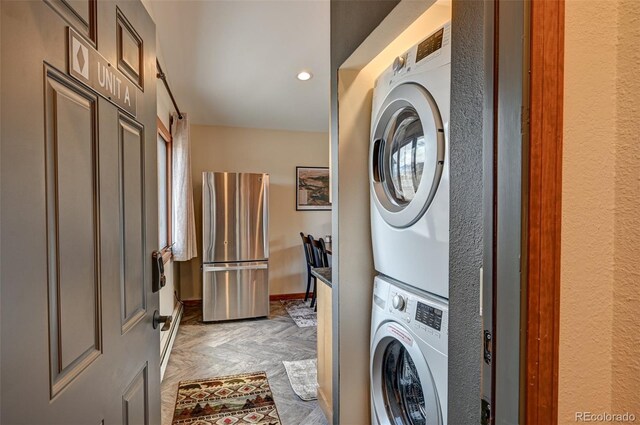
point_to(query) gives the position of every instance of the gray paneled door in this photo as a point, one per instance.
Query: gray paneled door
(78, 214)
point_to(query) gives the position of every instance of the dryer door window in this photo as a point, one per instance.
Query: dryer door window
(407, 154)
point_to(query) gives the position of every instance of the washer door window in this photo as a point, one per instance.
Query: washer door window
(407, 155)
(403, 391)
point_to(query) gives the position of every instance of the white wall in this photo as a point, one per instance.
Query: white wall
(356, 260)
(164, 110)
(587, 210)
(626, 331)
(262, 151)
(167, 303)
(600, 295)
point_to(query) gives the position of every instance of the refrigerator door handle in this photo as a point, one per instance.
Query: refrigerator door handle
(210, 268)
(265, 215)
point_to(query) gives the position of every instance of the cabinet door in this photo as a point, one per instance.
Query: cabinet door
(325, 359)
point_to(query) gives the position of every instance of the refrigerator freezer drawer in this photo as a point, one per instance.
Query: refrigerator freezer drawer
(237, 291)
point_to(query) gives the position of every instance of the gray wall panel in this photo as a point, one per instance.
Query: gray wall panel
(466, 231)
(512, 140)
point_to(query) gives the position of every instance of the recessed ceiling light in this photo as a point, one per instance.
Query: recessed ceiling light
(304, 76)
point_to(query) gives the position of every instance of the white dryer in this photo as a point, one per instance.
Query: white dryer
(409, 166)
(409, 352)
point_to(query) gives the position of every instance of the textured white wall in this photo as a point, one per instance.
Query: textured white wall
(587, 209)
(626, 308)
(600, 295)
(356, 259)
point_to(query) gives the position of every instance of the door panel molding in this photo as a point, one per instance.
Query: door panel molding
(130, 47)
(80, 18)
(135, 399)
(133, 294)
(73, 235)
(544, 213)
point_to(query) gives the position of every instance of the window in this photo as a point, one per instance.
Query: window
(164, 191)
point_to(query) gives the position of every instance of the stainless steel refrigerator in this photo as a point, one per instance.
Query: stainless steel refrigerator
(235, 245)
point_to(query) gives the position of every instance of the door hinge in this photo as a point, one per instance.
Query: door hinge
(485, 414)
(487, 347)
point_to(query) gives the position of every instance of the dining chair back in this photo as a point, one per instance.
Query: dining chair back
(320, 253)
(308, 250)
(307, 245)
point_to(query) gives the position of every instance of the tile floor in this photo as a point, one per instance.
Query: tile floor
(209, 350)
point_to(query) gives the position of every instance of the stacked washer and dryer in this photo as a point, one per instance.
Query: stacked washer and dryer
(409, 181)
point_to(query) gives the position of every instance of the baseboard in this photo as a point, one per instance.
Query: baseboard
(192, 303)
(284, 297)
(166, 352)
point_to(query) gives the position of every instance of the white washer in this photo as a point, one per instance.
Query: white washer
(408, 363)
(409, 166)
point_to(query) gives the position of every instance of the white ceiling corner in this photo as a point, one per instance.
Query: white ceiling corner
(234, 63)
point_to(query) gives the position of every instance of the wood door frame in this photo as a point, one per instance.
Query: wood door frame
(542, 195)
(165, 134)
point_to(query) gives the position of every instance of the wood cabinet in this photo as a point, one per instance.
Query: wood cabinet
(325, 347)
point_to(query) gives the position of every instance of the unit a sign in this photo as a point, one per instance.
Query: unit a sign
(89, 67)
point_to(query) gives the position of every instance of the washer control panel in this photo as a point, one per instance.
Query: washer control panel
(425, 315)
(429, 315)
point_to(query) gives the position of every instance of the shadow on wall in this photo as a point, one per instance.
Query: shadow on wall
(289, 262)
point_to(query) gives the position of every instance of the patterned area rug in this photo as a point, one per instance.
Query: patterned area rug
(226, 400)
(301, 313)
(303, 376)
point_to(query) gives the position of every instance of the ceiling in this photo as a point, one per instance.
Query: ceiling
(234, 63)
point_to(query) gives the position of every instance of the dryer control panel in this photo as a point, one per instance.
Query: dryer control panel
(432, 44)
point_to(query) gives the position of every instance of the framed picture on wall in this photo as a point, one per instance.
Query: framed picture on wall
(312, 189)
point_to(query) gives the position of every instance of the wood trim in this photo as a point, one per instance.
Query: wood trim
(164, 132)
(167, 255)
(284, 297)
(170, 193)
(192, 303)
(543, 220)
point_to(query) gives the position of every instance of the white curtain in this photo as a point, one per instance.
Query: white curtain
(184, 223)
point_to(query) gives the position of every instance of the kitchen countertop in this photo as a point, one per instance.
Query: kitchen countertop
(323, 273)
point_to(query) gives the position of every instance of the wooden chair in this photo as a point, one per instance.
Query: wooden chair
(307, 245)
(320, 259)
